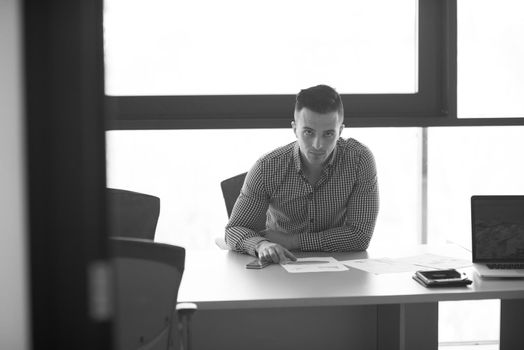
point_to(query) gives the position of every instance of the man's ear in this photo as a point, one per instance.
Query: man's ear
(294, 127)
(341, 128)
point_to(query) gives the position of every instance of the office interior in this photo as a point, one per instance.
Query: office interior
(472, 161)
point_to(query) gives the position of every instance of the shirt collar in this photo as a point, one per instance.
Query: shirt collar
(298, 160)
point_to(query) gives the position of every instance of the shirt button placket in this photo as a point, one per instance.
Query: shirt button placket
(311, 210)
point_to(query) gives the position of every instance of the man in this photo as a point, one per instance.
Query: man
(319, 193)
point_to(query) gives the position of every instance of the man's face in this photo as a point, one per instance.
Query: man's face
(317, 134)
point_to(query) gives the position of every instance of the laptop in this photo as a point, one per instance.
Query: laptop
(498, 235)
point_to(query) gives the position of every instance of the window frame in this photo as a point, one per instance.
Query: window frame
(435, 104)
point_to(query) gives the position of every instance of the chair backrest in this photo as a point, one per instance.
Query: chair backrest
(148, 276)
(132, 214)
(231, 189)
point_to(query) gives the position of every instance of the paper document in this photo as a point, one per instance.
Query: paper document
(407, 264)
(318, 264)
(437, 262)
(379, 266)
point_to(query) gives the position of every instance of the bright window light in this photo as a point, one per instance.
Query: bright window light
(209, 47)
(490, 55)
(469, 161)
(184, 168)
(469, 322)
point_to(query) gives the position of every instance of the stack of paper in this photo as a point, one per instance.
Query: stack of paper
(407, 264)
(319, 264)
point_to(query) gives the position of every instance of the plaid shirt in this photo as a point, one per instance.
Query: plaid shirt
(338, 213)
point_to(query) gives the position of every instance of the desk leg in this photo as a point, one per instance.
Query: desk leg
(511, 324)
(407, 326)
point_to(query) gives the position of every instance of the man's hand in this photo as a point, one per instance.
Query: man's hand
(274, 252)
(290, 242)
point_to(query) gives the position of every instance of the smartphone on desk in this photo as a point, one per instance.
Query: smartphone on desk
(257, 264)
(444, 278)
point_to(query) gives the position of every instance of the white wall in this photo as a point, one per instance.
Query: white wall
(14, 309)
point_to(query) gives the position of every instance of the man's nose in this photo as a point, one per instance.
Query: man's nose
(317, 143)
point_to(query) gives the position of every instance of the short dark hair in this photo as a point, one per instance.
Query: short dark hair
(320, 99)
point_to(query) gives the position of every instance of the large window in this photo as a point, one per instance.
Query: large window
(184, 168)
(469, 161)
(238, 64)
(490, 56)
(238, 47)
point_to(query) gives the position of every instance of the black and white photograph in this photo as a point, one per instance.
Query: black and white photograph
(279, 174)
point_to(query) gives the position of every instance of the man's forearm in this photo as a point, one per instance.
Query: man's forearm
(341, 239)
(286, 240)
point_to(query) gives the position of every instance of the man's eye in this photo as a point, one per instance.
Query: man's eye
(308, 132)
(330, 133)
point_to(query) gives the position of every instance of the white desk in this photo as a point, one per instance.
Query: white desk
(389, 311)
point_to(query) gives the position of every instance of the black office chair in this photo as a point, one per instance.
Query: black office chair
(231, 189)
(132, 214)
(148, 276)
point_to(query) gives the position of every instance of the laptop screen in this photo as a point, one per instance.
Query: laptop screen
(498, 228)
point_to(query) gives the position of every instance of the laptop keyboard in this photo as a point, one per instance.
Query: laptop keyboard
(516, 266)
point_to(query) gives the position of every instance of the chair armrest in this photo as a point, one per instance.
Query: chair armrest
(184, 312)
(186, 309)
